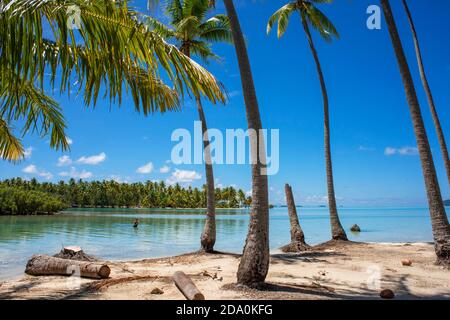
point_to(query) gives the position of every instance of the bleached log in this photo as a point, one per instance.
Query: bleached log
(44, 265)
(187, 287)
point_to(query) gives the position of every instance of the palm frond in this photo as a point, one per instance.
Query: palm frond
(281, 16)
(320, 21)
(160, 28)
(39, 112)
(11, 148)
(216, 29)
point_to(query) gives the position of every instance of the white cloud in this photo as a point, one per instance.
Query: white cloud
(69, 141)
(316, 199)
(389, 151)
(93, 160)
(28, 152)
(73, 173)
(183, 176)
(145, 169)
(408, 151)
(46, 175)
(32, 169)
(64, 161)
(404, 151)
(119, 179)
(364, 148)
(164, 169)
(234, 93)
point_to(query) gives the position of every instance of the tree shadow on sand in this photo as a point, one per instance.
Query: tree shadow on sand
(307, 256)
(18, 291)
(327, 289)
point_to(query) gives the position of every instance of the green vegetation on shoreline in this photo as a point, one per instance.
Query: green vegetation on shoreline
(20, 201)
(113, 194)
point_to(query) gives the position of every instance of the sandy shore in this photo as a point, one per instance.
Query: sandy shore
(330, 271)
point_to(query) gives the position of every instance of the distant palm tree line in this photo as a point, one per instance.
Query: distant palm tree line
(138, 43)
(143, 195)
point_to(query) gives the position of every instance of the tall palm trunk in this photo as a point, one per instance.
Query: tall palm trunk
(439, 220)
(254, 263)
(437, 122)
(337, 231)
(208, 237)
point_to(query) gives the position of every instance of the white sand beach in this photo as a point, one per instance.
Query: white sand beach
(333, 270)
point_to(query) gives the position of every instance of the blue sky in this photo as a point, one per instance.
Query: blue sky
(373, 143)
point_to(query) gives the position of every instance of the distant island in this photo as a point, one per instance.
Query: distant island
(447, 202)
(22, 197)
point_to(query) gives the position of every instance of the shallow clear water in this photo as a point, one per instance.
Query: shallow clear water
(108, 233)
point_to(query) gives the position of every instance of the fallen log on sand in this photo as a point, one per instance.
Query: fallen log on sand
(187, 287)
(43, 265)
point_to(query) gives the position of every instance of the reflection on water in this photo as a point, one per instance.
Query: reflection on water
(109, 233)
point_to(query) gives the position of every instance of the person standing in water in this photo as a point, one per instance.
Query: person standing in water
(136, 223)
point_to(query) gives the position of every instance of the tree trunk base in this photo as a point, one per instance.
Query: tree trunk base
(442, 250)
(207, 244)
(295, 247)
(340, 237)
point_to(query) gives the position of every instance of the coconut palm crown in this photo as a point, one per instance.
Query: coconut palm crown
(190, 27)
(111, 50)
(309, 13)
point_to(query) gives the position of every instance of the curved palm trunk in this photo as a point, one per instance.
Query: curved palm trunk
(437, 122)
(254, 263)
(298, 243)
(337, 231)
(208, 238)
(439, 220)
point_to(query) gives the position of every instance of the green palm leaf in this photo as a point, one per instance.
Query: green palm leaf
(309, 12)
(113, 50)
(11, 148)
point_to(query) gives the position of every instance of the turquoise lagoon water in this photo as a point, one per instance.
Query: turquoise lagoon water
(108, 233)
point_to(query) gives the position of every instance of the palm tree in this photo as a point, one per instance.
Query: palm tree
(194, 32)
(426, 86)
(254, 263)
(111, 48)
(439, 220)
(311, 15)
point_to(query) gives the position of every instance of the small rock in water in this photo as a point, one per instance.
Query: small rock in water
(355, 228)
(387, 294)
(157, 291)
(407, 262)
